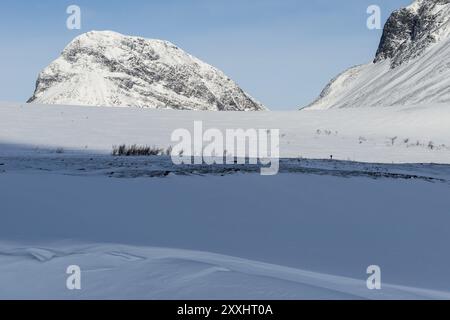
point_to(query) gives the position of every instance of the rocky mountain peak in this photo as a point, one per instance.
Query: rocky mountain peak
(411, 30)
(105, 68)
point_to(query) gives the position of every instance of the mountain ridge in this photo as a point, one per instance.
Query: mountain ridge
(411, 65)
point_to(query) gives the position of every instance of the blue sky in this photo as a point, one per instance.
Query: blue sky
(282, 52)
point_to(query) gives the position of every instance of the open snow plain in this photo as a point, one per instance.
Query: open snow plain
(141, 227)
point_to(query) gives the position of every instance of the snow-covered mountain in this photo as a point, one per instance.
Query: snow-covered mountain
(412, 64)
(109, 69)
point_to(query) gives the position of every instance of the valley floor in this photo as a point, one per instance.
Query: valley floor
(376, 135)
(144, 228)
(325, 220)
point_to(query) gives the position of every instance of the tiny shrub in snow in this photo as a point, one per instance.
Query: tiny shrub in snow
(135, 150)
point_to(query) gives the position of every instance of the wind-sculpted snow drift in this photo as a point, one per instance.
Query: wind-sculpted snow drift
(110, 69)
(158, 273)
(412, 64)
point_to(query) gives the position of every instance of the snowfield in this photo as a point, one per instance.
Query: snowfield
(143, 228)
(416, 134)
(125, 272)
(254, 237)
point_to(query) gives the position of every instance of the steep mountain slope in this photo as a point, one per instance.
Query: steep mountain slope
(412, 64)
(110, 69)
